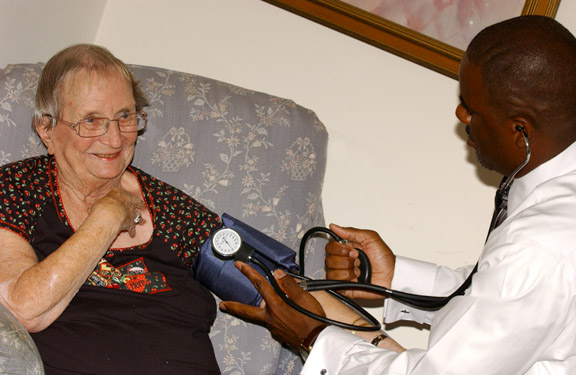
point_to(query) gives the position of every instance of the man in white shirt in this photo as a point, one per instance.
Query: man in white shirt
(518, 316)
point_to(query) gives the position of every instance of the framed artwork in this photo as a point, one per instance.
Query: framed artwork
(431, 33)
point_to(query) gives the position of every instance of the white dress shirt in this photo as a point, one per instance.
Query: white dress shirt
(518, 316)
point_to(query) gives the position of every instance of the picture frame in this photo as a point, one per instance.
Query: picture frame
(392, 37)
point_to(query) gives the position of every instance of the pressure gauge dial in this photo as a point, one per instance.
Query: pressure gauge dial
(226, 242)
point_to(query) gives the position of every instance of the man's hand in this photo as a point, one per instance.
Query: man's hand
(285, 323)
(342, 261)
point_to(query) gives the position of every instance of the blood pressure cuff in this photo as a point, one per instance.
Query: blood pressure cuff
(225, 280)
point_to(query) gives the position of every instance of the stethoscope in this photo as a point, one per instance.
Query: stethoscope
(228, 244)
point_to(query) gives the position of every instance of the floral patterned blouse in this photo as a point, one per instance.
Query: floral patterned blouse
(141, 310)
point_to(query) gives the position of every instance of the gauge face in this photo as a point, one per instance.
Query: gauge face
(226, 242)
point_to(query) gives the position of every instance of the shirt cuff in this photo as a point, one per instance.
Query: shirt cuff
(411, 276)
(333, 348)
(337, 351)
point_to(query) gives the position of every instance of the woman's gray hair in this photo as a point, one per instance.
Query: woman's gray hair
(67, 63)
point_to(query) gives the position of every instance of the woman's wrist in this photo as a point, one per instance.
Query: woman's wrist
(374, 337)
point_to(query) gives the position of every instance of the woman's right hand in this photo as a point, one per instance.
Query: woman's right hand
(121, 207)
(342, 261)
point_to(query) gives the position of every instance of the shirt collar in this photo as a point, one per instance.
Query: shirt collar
(559, 165)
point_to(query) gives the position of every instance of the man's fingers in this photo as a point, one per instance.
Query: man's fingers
(340, 263)
(248, 271)
(260, 283)
(354, 236)
(337, 249)
(246, 311)
(345, 275)
(287, 284)
(253, 313)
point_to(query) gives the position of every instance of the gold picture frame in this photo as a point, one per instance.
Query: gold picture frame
(402, 41)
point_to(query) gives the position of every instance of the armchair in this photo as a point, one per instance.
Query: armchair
(255, 156)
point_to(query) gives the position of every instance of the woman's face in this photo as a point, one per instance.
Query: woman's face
(98, 160)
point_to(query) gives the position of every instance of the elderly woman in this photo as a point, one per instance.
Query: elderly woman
(96, 255)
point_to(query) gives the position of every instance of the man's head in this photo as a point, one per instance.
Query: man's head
(519, 74)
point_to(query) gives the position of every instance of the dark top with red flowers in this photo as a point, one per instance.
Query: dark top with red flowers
(141, 311)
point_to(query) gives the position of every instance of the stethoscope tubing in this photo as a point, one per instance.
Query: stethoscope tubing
(374, 323)
(415, 300)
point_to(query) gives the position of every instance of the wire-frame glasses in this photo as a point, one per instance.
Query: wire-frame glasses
(89, 127)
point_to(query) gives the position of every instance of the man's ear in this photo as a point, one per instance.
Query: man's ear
(44, 127)
(523, 130)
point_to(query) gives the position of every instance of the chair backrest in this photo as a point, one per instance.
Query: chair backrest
(258, 157)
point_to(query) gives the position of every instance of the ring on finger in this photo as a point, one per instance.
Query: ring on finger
(138, 218)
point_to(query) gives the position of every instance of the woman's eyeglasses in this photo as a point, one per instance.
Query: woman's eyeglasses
(89, 127)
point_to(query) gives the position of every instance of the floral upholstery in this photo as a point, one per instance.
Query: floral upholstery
(18, 354)
(257, 157)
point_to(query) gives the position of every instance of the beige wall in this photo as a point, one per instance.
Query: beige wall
(397, 158)
(33, 30)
